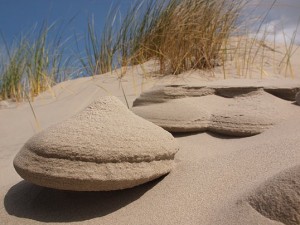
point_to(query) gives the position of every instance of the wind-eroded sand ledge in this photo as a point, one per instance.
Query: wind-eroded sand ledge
(212, 180)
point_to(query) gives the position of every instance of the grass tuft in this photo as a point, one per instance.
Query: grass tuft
(194, 34)
(182, 35)
(32, 64)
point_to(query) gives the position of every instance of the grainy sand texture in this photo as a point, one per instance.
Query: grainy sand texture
(217, 179)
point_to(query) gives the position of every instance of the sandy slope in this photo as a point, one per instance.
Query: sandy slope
(210, 184)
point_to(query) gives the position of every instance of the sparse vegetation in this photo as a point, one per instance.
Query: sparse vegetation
(100, 48)
(182, 35)
(179, 34)
(32, 65)
(191, 34)
(12, 70)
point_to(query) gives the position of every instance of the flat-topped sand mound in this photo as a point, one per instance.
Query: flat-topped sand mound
(229, 88)
(229, 110)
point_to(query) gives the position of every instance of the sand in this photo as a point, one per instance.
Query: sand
(242, 115)
(213, 177)
(105, 147)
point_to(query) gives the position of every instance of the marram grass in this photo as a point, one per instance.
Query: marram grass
(31, 66)
(181, 35)
(188, 34)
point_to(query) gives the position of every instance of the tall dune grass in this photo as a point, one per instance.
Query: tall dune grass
(179, 34)
(254, 47)
(182, 35)
(32, 64)
(187, 34)
(13, 64)
(100, 49)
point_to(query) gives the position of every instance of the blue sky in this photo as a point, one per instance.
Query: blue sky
(22, 15)
(283, 18)
(18, 16)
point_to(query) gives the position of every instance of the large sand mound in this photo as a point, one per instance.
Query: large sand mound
(279, 197)
(105, 147)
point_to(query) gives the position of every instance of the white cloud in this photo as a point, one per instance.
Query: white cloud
(282, 20)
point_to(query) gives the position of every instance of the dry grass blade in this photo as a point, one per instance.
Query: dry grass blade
(33, 64)
(182, 35)
(289, 47)
(99, 49)
(124, 94)
(34, 114)
(11, 85)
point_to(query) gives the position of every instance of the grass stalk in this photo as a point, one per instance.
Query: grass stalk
(33, 64)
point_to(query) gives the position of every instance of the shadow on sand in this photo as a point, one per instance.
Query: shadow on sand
(26, 200)
(215, 135)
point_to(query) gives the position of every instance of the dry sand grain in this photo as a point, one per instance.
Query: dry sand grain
(209, 185)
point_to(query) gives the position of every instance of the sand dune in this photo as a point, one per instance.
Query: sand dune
(210, 184)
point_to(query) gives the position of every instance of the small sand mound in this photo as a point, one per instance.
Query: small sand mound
(105, 147)
(279, 197)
